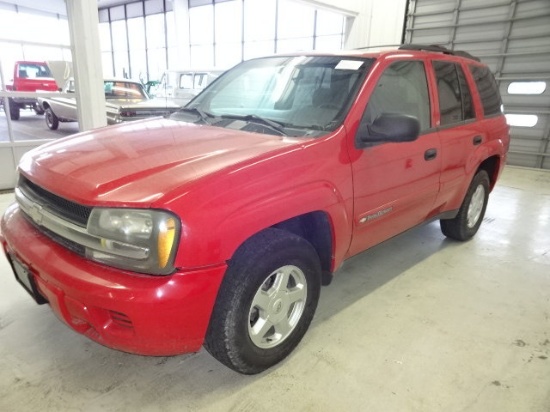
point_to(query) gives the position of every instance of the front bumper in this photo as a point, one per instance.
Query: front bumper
(143, 314)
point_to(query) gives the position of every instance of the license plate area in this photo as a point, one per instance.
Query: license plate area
(24, 277)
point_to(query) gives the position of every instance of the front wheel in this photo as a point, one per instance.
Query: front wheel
(51, 119)
(266, 302)
(470, 215)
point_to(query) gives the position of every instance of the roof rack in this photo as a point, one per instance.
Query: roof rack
(438, 49)
(379, 46)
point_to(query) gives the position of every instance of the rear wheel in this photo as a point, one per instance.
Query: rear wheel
(51, 119)
(266, 302)
(15, 112)
(470, 215)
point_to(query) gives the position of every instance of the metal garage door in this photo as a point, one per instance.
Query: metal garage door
(513, 38)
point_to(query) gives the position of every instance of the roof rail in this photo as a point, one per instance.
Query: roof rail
(438, 49)
(379, 46)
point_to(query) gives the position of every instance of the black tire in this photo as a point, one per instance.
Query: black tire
(470, 215)
(51, 119)
(274, 279)
(38, 109)
(15, 112)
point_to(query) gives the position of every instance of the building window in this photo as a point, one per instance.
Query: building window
(223, 33)
(259, 28)
(228, 34)
(201, 35)
(138, 39)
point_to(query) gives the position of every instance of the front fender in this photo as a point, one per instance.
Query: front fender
(209, 238)
(43, 103)
(281, 206)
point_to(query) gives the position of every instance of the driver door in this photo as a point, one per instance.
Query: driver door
(395, 184)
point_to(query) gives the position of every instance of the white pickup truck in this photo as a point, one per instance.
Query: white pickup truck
(181, 86)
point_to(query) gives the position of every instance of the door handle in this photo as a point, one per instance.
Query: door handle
(477, 140)
(430, 154)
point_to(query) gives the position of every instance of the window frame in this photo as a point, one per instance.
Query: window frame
(428, 96)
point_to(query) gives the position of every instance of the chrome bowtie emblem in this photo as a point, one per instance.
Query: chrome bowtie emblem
(35, 213)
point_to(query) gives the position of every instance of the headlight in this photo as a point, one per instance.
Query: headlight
(141, 240)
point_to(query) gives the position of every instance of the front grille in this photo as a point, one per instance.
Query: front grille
(162, 112)
(69, 244)
(71, 211)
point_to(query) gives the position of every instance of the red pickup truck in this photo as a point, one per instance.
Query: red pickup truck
(219, 225)
(29, 77)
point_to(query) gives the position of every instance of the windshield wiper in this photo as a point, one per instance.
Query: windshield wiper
(199, 112)
(253, 118)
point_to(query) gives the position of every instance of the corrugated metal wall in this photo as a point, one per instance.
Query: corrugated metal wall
(513, 38)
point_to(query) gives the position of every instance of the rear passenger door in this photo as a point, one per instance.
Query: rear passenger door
(395, 184)
(458, 131)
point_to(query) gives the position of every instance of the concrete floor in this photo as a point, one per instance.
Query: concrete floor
(419, 323)
(33, 127)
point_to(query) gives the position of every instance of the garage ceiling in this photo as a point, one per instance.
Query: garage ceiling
(512, 37)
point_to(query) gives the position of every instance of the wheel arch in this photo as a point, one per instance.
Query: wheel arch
(315, 227)
(317, 211)
(492, 166)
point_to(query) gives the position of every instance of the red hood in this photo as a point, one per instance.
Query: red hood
(139, 162)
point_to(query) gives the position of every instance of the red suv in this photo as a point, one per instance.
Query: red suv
(219, 225)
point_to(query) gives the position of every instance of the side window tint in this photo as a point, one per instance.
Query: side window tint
(488, 90)
(467, 105)
(401, 89)
(455, 100)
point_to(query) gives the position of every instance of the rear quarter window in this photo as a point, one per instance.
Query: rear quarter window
(488, 90)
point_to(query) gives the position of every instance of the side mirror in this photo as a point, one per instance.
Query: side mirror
(391, 127)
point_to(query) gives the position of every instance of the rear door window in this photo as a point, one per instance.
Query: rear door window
(455, 99)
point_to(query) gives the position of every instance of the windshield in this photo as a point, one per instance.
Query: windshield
(296, 96)
(123, 90)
